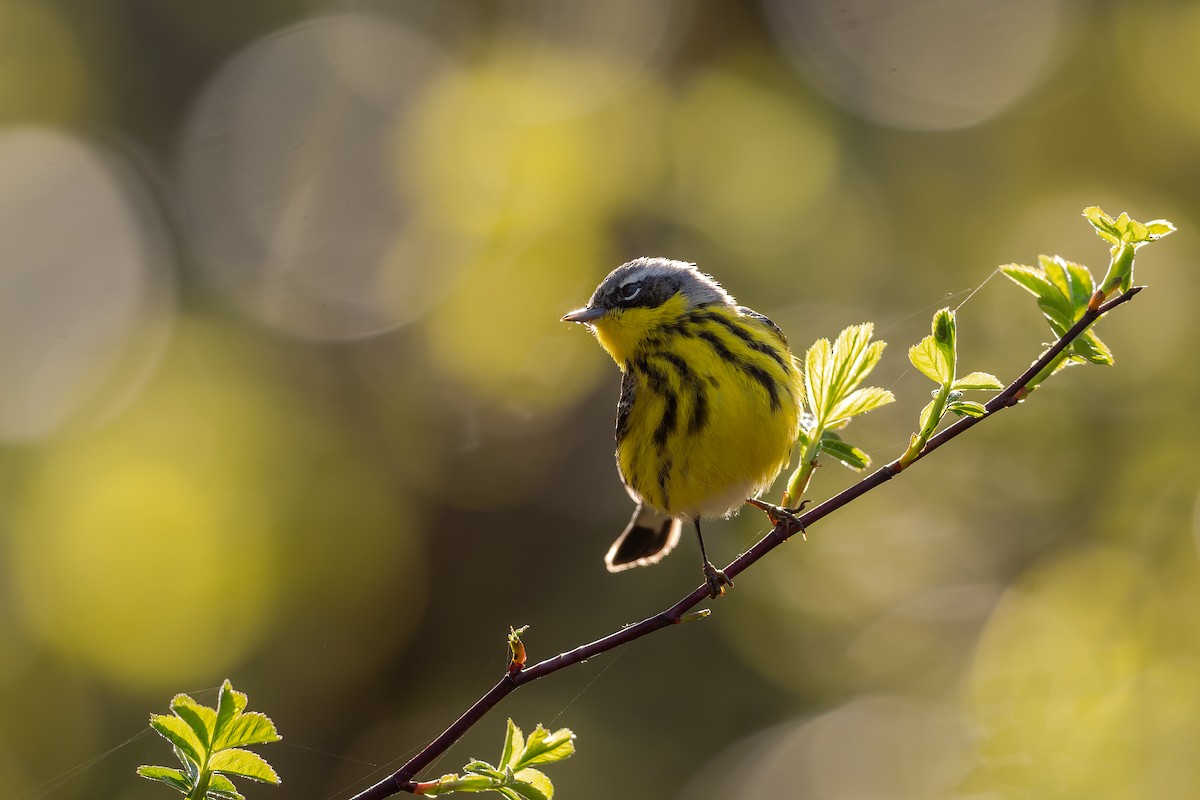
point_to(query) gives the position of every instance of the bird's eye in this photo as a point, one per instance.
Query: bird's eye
(629, 290)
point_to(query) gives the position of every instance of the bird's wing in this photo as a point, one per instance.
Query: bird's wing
(764, 321)
(624, 405)
(648, 537)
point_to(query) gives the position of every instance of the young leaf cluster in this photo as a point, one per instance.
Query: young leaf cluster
(1065, 291)
(209, 743)
(514, 776)
(936, 357)
(1126, 236)
(833, 373)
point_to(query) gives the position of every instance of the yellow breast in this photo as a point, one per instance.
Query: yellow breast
(714, 410)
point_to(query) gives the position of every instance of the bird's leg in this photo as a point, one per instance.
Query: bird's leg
(716, 579)
(778, 514)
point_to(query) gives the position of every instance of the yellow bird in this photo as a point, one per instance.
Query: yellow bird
(709, 408)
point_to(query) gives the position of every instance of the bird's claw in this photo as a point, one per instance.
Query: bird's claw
(716, 580)
(779, 514)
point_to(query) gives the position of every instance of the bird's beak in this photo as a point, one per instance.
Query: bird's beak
(584, 315)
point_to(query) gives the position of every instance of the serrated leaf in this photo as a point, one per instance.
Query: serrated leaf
(537, 779)
(1159, 228)
(454, 783)
(172, 777)
(514, 744)
(230, 704)
(179, 733)
(841, 450)
(533, 788)
(1083, 286)
(967, 408)
(945, 337)
(1055, 270)
(926, 414)
(1091, 349)
(818, 366)
(1057, 304)
(860, 401)
(243, 763)
(250, 727)
(222, 788)
(930, 360)
(200, 719)
(1103, 224)
(544, 747)
(977, 381)
(1029, 278)
(477, 767)
(859, 354)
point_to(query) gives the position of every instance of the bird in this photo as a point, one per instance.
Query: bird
(710, 405)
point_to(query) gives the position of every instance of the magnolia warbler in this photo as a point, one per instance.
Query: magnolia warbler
(709, 408)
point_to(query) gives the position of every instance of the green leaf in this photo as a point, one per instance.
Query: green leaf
(944, 334)
(855, 349)
(478, 767)
(222, 788)
(843, 451)
(514, 744)
(454, 783)
(243, 763)
(930, 360)
(544, 747)
(1104, 224)
(1089, 348)
(179, 733)
(537, 779)
(532, 784)
(1083, 286)
(230, 704)
(1074, 284)
(190, 767)
(860, 401)
(172, 777)
(967, 408)
(818, 375)
(984, 381)
(1029, 278)
(200, 719)
(1057, 304)
(250, 727)
(926, 415)
(1158, 228)
(1055, 270)
(833, 371)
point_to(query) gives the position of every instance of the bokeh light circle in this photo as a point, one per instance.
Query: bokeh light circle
(168, 545)
(877, 746)
(85, 304)
(925, 65)
(283, 167)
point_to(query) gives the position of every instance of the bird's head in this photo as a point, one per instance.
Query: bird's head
(641, 296)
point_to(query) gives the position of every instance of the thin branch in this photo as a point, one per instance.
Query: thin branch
(402, 779)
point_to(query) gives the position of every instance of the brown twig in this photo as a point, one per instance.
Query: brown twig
(402, 779)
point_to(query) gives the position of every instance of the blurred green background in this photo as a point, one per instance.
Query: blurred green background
(285, 397)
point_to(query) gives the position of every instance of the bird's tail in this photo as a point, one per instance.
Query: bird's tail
(648, 537)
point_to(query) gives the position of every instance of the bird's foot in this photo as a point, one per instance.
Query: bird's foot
(779, 514)
(716, 580)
